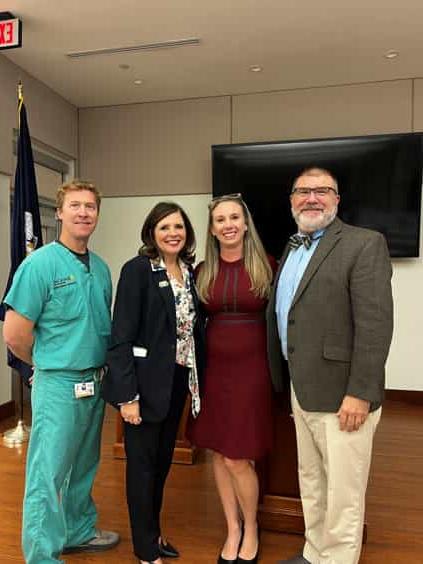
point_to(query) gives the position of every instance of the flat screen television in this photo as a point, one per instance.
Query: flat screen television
(379, 177)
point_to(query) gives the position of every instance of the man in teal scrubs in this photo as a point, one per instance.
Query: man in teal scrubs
(58, 320)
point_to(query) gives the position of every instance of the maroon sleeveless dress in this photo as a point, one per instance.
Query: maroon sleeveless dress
(236, 405)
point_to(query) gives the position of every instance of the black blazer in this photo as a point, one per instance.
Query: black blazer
(141, 357)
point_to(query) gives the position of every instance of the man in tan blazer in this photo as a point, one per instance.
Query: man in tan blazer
(329, 331)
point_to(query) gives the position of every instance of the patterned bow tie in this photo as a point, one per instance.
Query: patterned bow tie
(295, 241)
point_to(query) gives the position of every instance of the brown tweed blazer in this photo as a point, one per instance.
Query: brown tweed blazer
(340, 322)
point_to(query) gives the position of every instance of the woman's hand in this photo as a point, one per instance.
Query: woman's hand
(131, 413)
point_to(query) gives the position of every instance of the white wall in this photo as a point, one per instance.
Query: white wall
(404, 369)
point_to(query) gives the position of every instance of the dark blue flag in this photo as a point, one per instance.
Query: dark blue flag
(26, 232)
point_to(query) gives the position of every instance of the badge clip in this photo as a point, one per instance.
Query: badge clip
(84, 390)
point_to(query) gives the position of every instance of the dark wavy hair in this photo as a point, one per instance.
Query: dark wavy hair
(159, 212)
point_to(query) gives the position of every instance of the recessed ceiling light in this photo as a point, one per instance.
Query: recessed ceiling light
(138, 81)
(256, 68)
(124, 66)
(392, 54)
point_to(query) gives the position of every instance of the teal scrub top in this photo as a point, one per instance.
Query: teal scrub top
(69, 305)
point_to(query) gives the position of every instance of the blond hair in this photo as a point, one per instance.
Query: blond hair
(76, 185)
(255, 258)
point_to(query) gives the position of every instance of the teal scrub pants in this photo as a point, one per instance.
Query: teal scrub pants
(62, 460)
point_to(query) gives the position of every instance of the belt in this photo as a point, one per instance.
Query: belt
(235, 317)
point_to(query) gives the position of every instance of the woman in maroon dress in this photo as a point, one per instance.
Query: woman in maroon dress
(235, 419)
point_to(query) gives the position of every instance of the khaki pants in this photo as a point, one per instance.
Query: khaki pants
(333, 467)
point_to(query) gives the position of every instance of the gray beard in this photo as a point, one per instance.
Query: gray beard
(311, 225)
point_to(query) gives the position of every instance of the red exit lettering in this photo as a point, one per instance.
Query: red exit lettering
(6, 33)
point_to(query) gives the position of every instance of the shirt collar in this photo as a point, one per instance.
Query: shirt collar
(315, 235)
(158, 264)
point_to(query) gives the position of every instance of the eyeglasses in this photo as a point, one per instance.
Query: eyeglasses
(304, 192)
(237, 196)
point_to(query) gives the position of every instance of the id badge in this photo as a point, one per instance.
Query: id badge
(84, 390)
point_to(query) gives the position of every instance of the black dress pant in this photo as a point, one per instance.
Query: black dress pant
(149, 450)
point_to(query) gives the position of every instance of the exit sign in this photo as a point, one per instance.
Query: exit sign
(10, 31)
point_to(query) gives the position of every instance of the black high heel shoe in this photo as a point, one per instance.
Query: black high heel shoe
(222, 560)
(253, 560)
(166, 550)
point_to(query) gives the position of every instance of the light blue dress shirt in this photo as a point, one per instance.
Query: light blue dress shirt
(289, 280)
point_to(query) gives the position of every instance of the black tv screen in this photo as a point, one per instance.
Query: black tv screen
(379, 177)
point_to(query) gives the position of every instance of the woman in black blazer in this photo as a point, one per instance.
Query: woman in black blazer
(155, 359)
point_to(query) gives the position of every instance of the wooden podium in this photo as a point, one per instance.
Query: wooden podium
(280, 503)
(184, 453)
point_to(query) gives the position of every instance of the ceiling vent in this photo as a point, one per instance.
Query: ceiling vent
(133, 48)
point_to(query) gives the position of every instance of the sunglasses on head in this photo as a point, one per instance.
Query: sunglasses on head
(236, 196)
